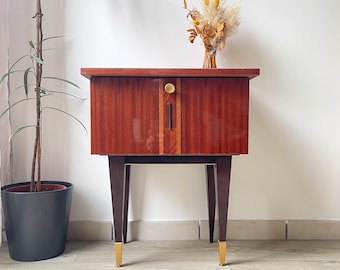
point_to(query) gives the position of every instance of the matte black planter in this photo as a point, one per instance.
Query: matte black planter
(36, 223)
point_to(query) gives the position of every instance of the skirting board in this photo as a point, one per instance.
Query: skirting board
(89, 230)
(313, 229)
(163, 230)
(193, 230)
(248, 230)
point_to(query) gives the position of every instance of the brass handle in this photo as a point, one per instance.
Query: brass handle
(169, 88)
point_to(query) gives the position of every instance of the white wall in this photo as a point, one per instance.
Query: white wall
(291, 171)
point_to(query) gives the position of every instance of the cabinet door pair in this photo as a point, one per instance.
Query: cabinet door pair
(169, 116)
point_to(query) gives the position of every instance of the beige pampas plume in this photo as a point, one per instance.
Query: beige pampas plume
(214, 23)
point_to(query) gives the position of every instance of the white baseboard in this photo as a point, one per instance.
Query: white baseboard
(89, 230)
(248, 230)
(313, 229)
(194, 230)
(163, 230)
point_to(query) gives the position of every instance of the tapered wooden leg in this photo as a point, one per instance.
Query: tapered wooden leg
(211, 200)
(116, 164)
(126, 201)
(223, 166)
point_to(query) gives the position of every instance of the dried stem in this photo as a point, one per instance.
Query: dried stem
(36, 161)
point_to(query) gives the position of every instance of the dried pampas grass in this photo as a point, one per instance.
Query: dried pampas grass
(214, 23)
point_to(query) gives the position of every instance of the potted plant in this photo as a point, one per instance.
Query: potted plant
(36, 212)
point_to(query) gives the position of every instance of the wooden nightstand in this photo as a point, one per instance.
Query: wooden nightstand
(169, 116)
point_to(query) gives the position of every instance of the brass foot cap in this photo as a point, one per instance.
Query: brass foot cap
(222, 250)
(118, 248)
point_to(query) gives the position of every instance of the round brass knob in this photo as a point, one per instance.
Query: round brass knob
(169, 88)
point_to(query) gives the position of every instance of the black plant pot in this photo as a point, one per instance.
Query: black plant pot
(36, 223)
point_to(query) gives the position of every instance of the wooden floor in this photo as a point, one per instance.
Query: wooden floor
(273, 255)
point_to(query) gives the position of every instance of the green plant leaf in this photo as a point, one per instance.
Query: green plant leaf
(15, 132)
(5, 76)
(31, 44)
(26, 81)
(14, 104)
(70, 115)
(10, 71)
(53, 37)
(61, 79)
(43, 91)
(51, 92)
(38, 60)
(17, 61)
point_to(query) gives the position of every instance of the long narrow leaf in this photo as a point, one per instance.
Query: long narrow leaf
(61, 79)
(14, 104)
(26, 80)
(32, 44)
(5, 76)
(49, 92)
(10, 71)
(19, 87)
(18, 130)
(8, 74)
(70, 115)
(50, 49)
(17, 61)
(54, 37)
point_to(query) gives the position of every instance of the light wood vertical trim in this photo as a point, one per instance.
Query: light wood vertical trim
(161, 116)
(179, 116)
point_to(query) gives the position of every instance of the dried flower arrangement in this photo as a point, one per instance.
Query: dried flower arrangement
(214, 24)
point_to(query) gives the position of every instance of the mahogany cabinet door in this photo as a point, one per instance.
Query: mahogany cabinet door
(124, 115)
(215, 115)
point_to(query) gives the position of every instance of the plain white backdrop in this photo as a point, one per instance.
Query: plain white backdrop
(291, 171)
